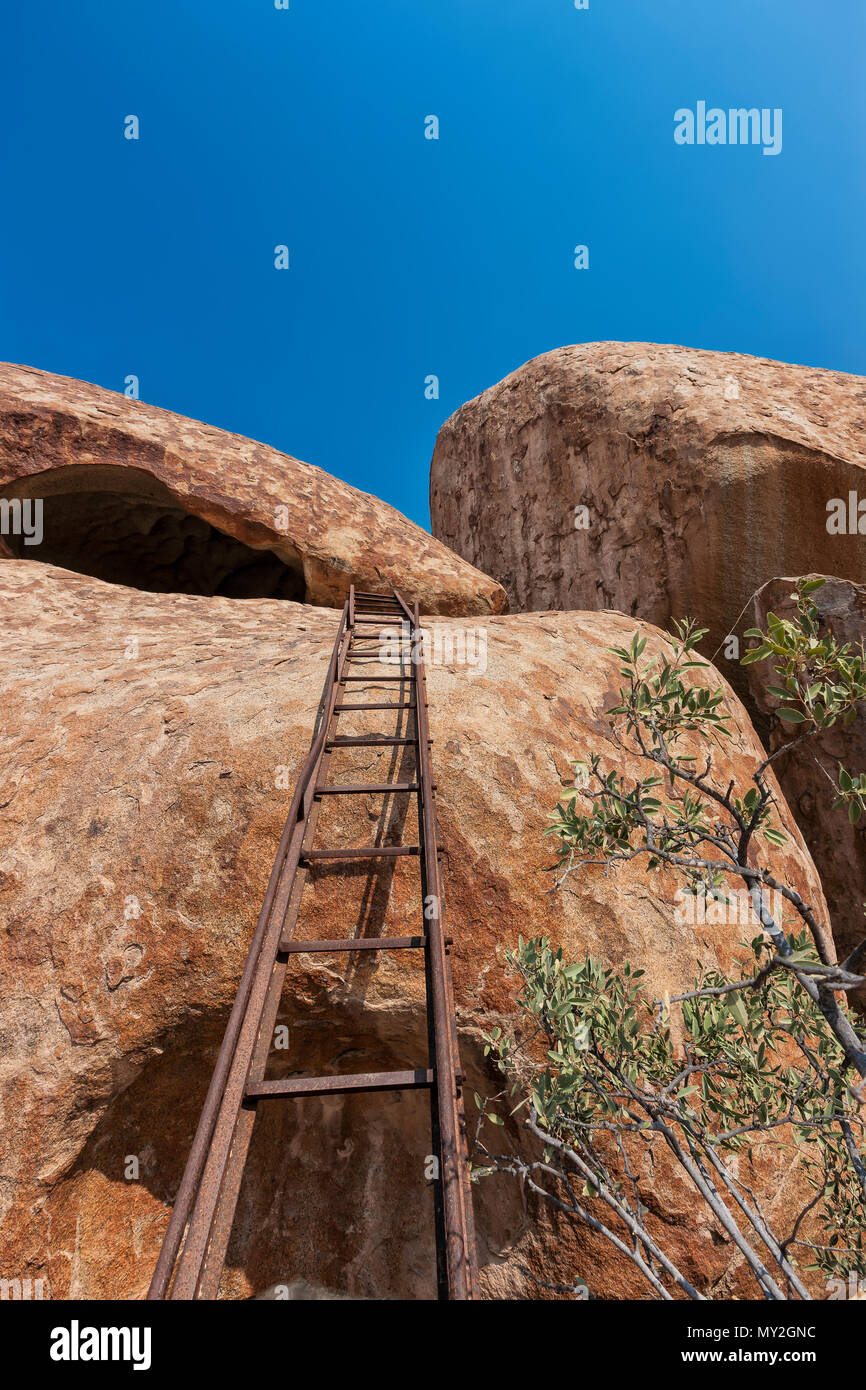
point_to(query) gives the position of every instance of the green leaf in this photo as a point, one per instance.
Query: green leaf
(756, 654)
(791, 716)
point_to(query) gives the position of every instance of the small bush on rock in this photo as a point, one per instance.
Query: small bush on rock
(603, 1075)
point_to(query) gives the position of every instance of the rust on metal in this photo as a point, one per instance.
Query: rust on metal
(368, 788)
(353, 943)
(194, 1248)
(361, 852)
(341, 1085)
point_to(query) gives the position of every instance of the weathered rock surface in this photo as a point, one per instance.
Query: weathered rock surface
(136, 495)
(703, 475)
(807, 773)
(150, 747)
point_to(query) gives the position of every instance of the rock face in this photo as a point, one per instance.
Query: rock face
(700, 475)
(150, 748)
(838, 848)
(139, 496)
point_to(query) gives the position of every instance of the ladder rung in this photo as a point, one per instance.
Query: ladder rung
(368, 741)
(401, 704)
(340, 1085)
(365, 788)
(353, 943)
(362, 852)
(374, 680)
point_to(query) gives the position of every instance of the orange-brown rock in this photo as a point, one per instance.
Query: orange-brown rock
(808, 773)
(150, 748)
(139, 496)
(661, 481)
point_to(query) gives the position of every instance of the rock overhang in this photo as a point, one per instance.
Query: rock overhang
(138, 495)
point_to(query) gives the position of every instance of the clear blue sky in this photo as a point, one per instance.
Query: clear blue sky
(409, 256)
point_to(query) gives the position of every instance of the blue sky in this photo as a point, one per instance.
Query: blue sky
(411, 257)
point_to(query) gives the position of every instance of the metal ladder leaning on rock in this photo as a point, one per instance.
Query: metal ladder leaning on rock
(194, 1248)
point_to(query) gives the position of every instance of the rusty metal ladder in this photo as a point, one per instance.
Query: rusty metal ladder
(193, 1253)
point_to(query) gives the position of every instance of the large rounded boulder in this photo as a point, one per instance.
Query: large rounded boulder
(150, 747)
(661, 481)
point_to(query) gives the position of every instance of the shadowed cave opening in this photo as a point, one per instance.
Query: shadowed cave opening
(124, 527)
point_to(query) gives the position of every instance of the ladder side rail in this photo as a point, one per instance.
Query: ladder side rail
(409, 616)
(198, 1156)
(191, 1265)
(222, 1221)
(468, 1227)
(446, 1059)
